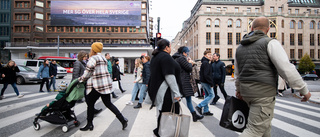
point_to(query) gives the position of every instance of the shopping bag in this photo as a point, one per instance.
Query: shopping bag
(234, 114)
(174, 125)
(115, 85)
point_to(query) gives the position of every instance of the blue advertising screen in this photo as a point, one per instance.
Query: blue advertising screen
(95, 13)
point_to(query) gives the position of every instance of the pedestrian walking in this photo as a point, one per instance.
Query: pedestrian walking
(44, 75)
(138, 80)
(53, 69)
(218, 76)
(8, 74)
(98, 85)
(185, 71)
(206, 84)
(107, 55)
(165, 83)
(116, 74)
(145, 80)
(258, 62)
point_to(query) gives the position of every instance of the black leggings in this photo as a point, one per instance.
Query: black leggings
(91, 99)
(221, 87)
(47, 83)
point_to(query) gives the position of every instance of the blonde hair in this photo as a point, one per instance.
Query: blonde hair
(139, 63)
(7, 65)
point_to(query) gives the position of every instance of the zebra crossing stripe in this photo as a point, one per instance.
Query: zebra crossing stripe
(19, 104)
(12, 97)
(104, 119)
(292, 129)
(298, 118)
(299, 104)
(307, 112)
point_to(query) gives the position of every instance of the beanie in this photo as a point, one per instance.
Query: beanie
(185, 50)
(97, 47)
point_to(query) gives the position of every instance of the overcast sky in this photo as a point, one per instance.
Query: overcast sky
(172, 13)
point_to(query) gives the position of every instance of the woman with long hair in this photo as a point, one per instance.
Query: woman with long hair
(44, 75)
(99, 85)
(8, 73)
(138, 80)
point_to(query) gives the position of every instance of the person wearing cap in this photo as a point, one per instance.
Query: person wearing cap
(99, 85)
(53, 69)
(117, 73)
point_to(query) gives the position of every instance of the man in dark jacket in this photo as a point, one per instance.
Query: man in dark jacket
(53, 73)
(116, 73)
(206, 83)
(145, 80)
(219, 76)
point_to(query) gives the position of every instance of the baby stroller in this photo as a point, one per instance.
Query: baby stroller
(59, 111)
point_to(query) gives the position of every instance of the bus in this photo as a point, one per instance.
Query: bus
(65, 62)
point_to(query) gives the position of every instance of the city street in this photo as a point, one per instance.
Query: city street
(292, 117)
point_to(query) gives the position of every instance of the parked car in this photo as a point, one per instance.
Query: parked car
(313, 77)
(26, 75)
(35, 65)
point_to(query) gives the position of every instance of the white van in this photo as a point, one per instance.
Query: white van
(35, 65)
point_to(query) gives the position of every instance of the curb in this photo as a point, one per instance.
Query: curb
(310, 100)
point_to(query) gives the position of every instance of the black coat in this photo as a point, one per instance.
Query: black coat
(53, 70)
(146, 73)
(218, 72)
(185, 71)
(206, 72)
(116, 72)
(10, 74)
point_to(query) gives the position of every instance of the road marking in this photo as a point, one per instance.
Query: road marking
(299, 104)
(292, 129)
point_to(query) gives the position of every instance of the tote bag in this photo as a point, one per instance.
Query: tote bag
(115, 85)
(174, 125)
(234, 114)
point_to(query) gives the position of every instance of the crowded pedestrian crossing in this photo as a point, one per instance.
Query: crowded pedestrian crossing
(17, 115)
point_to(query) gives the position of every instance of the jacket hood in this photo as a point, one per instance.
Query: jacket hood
(252, 37)
(176, 55)
(204, 59)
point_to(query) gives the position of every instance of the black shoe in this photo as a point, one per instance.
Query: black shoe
(87, 127)
(114, 96)
(41, 91)
(138, 106)
(199, 110)
(136, 99)
(80, 101)
(196, 117)
(97, 111)
(213, 103)
(208, 113)
(123, 91)
(124, 123)
(156, 132)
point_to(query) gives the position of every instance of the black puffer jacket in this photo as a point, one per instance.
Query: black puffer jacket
(10, 74)
(186, 69)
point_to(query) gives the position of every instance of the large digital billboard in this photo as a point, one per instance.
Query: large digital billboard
(95, 13)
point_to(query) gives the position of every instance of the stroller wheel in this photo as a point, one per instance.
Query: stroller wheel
(76, 123)
(65, 129)
(36, 126)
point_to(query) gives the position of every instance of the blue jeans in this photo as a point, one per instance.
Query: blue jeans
(143, 92)
(53, 81)
(189, 104)
(208, 91)
(135, 89)
(14, 86)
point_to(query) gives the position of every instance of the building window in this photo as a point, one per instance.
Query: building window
(123, 29)
(299, 53)
(143, 5)
(319, 25)
(50, 29)
(312, 53)
(312, 25)
(48, 4)
(229, 38)
(217, 38)
(208, 23)
(39, 3)
(218, 9)
(143, 18)
(229, 53)
(217, 50)
(208, 9)
(273, 35)
(289, 11)
(238, 23)
(225, 8)
(291, 38)
(39, 16)
(60, 29)
(292, 53)
(217, 23)
(318, 53)
(5, 4)
(78, 29)
(248, 9)
(4, 18)
(87, 29)
(273, 23)
(39, 28)
(318, 39)
(70, 29)
(292, 24)
(208, 49)
(282, 38)
(279, 9)
(22, 4)
(312, 39)
(229, 23)
(297, 11)
(106, 29)
(300, 24)
(282, 24)
(208, 38)
(238, 38)
(271, 9)
(257, 10)
(300, 39)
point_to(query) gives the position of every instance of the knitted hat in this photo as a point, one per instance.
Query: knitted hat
(97, 47)
(62, 85)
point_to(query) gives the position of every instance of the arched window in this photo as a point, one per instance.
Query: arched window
(238, 23)
(312, 25)
(217, 23)
(208, 23)
(300, 25)
(229, 23)
(292, 24)
(319, 25)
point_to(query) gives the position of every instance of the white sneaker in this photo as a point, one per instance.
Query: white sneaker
(280, 94)
(20, 96)
(129, 103)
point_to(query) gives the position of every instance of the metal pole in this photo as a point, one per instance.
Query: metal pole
(158, 24)
(58, 45)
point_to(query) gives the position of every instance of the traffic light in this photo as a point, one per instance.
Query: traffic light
(158, 36)
(152, 42)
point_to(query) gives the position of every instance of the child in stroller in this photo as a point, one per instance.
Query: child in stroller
(59, 111)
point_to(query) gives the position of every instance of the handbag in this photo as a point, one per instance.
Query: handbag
(234, 114)
(115, 85)
(174, 125)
